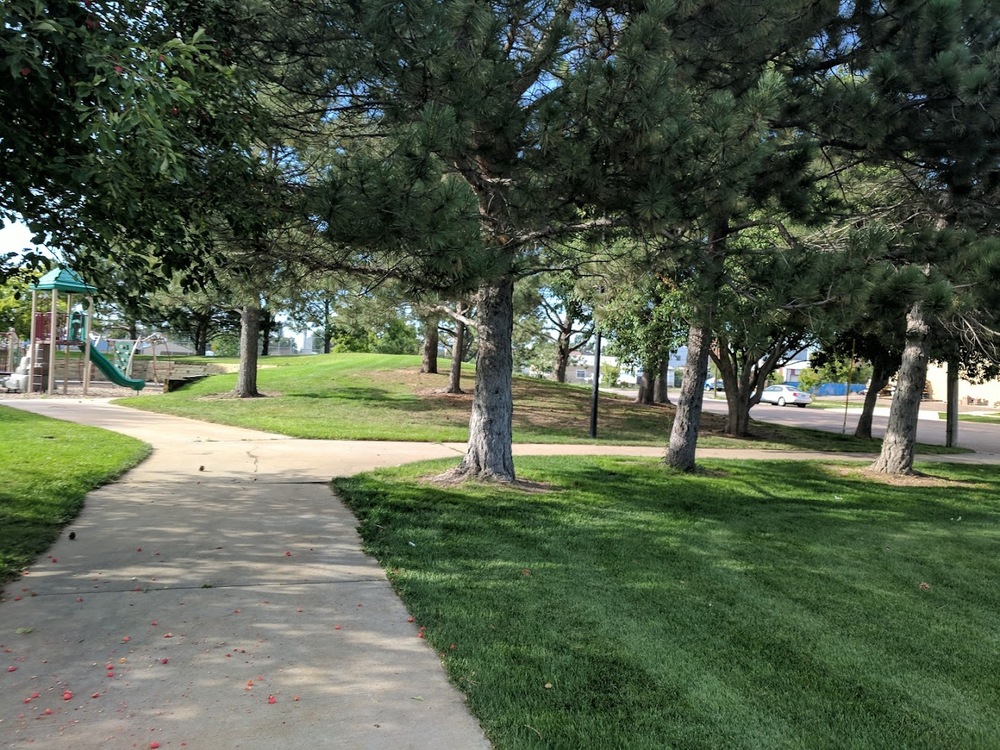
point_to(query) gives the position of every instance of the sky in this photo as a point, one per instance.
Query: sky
(14, 237)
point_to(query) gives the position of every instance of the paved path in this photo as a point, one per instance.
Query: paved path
(221, 560)
(215, 575)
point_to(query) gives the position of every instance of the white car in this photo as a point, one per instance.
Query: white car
(785, 394)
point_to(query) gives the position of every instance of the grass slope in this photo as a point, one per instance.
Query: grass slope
(757, 605)
(385, 397)
(48, 468)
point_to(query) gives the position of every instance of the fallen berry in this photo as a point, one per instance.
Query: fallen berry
(271, 699)
(164, 660)
(35, 695)
(67, 696)
(153, 745)
(287, 554)
(409, 619)
(11, 669)
(96, 695)
(336, 627)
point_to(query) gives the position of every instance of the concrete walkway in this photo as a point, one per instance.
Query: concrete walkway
(217, 575)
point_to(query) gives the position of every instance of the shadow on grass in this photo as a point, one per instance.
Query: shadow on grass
(761, 604)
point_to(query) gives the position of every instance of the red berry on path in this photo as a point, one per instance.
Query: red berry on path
(67, 696)
(271, 699)
(287, 553)
(11, 669)
(153, 745)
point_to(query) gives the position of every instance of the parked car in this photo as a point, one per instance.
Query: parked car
(716, 385)
(785, 394)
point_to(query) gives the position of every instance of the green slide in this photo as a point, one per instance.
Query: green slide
(111, 372)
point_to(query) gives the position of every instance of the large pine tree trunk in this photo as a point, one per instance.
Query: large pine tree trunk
(684, 433)
(430, 348)
(457, 349)
(489, 456)
(901, 433)
(880, 379)
(246, 379)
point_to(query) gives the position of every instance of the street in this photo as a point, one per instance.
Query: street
(982, 438)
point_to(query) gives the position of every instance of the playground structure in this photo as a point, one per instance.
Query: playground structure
(55, 333)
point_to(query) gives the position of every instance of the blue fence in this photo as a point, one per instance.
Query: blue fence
(836, 389)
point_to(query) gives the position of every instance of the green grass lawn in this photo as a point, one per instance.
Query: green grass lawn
(752, 605)
(48, 468)
(385, 397)
(983, 418)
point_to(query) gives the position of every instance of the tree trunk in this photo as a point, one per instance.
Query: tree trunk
(880, 379)
(737, 413)
(489, 455)
(246, 379)
(901, 433)
(430, 350)
(457, 348)
(201, 336)
(661, 394)
(562, 357)
(263, 331)
(648, 383)
(327, 326)
(684, 433)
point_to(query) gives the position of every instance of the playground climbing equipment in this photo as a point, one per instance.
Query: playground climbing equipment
(60, 329)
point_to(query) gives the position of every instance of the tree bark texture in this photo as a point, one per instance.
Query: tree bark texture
(457, 347)
(901, 433)
(430, 349)
(246, 379)
(646, 389)
(684, 433)
(661, 393)
(562, 356)
(489, 455)
(880, 379)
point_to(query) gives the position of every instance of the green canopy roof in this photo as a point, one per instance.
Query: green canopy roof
(64, 280)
